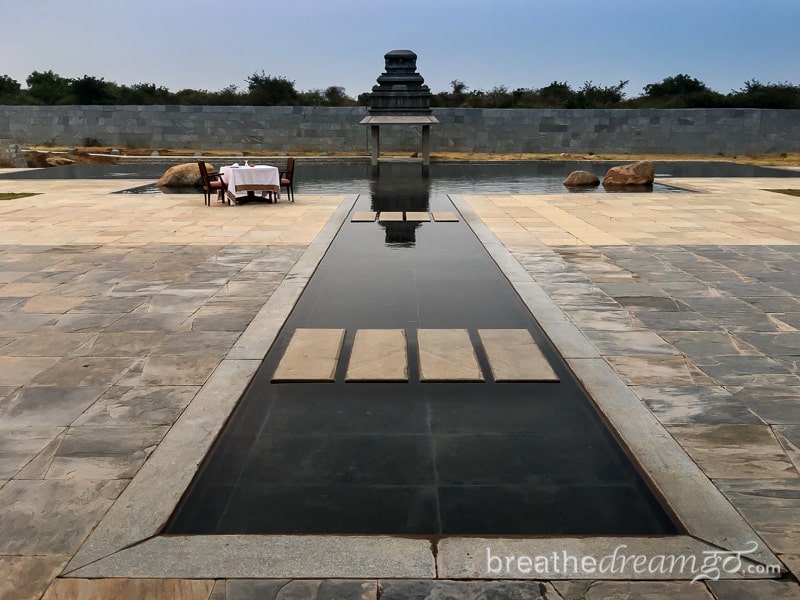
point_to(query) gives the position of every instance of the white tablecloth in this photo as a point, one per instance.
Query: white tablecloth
(261, 178)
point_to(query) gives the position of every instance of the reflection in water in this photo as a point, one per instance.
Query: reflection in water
(400, 188)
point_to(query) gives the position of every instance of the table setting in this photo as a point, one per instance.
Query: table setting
(250, 178)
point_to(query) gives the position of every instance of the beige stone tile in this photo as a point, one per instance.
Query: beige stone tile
(44, 304)
(735, 451)
(641, 590)
(416, 216)
(514, 356)
(17, 289)
(447, 355)
(130, 589)
(792, 562)
(27, 577)
(378, 355)
(754, 590)
(444, 216)
(19, 444)
(83, 372)
(312, 355)
(388, 216)
(20, 370)
(52, 516)
(652, 369)
(177, 369)
(363, 217)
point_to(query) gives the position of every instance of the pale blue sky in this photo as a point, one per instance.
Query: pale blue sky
(204, 44)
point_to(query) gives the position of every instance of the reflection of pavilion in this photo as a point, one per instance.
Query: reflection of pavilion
(400, 188)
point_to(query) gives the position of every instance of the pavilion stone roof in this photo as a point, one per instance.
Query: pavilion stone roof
(400, 90)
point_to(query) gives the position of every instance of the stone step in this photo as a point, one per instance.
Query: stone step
(410, 216)
(312, 355)
(443, 355)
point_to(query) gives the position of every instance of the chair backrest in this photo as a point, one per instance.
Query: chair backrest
(204, 173)
(289, 168)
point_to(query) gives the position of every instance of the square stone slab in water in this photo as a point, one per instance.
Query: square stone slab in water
(364, 217)
(514, 356)
(312, 355)
(445, 216)
(390, 216)
(378, 355)
(417, 216)
(447, 355)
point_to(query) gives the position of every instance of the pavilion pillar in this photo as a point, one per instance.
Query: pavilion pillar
(426, 145)
(376, 141)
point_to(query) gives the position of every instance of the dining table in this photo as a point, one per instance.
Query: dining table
(251, 179)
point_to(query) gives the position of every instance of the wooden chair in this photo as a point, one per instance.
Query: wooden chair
(211, 182)
(287, 178)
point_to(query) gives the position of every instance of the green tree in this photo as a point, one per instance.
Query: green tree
(365, 99)
(680, 91)
(557, 95)
(311, 98)
(47, 87)
(593, 96)
(90, 90)
(9, 86)
(144, 93)
(227, 96)
(770, 95)
(266, 90)
(336, 96)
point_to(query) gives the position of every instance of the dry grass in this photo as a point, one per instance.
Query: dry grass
(14, 196)
(87, 155)
(788, 192)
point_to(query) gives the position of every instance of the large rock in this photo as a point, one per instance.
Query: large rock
(59, 161)
(640, 173)
(581, 178)
(185, 175)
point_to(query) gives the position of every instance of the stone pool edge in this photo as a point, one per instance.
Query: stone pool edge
(126, 542)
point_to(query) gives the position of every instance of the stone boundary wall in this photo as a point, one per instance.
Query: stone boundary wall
(326, 129)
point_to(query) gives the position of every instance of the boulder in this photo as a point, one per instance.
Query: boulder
(581, 178)
(640, 173)
(185, 175)
(59, 161)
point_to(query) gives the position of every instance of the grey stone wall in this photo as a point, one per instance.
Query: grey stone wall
(323, 129)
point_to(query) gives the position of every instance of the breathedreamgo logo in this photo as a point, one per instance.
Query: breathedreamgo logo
(709, 565)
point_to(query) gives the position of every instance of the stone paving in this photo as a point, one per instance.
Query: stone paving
(117, 309)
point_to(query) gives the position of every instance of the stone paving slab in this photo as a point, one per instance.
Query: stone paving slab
(268, 557)
(444, 216)
(557, 558)
(364, 217)
(27, 577)
(514, 356)
(447, 355)
(378, 355)
(417, 216)
(389, 216)
(133, 589)
(312, 355)
(94, 287)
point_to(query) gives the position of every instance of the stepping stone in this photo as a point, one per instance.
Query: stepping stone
(417, 216)
(364, 217)
(312, 355)
(378, 355)
(445, 217)
(514, 356)
(390, 216)
(447, 355)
